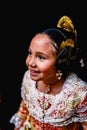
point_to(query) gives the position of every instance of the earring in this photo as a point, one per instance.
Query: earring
(59, 75)
(82, 62)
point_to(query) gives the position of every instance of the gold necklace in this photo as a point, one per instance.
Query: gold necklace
(48, 88)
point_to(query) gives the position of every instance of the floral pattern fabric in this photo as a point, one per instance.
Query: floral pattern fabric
(62, 111)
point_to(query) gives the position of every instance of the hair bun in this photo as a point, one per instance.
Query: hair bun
(66, 24)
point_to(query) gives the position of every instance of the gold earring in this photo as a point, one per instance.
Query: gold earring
(59, 75)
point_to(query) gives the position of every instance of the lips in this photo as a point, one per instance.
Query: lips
(33, 73)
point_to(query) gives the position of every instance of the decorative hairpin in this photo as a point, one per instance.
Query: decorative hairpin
(68, 42)
(66, 24)
(82, 62)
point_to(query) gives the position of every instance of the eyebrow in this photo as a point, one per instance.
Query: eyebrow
(39, 52)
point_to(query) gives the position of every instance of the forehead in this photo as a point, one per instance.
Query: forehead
(41, 42)
(41, 38)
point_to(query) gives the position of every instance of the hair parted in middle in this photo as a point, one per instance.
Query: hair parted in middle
(64, 39)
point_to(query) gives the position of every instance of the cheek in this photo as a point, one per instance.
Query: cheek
(48, 67)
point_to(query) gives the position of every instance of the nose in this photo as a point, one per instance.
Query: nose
(31, 62)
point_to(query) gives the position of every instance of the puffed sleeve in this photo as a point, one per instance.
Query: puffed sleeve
(81, 109)
(20, 116)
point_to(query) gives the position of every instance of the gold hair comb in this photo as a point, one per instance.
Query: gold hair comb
(66, 23)
(69, 42)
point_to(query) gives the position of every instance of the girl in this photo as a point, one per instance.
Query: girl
(54, 97)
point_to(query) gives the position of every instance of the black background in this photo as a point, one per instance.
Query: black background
(19, 22)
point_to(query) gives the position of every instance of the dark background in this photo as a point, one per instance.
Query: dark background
(19, 22)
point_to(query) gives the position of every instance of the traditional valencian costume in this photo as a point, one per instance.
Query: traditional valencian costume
(65, 110)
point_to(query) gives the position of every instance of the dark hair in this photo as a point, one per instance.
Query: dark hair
(69, 54)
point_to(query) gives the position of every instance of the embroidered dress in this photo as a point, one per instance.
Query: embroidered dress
(63, 111)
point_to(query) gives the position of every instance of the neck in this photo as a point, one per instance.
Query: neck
(51, 88)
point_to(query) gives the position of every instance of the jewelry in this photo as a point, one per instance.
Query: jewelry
(27, 125)
(59, 75)
(48, 88)
(82, 62)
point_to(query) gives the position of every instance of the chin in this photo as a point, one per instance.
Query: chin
(34, 78)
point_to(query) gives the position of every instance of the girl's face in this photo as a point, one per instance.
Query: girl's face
(41, 59)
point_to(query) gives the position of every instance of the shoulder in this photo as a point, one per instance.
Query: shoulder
(76, 90)
(27, 87)
(76, 80)
(26, 76)
(27, 81)
(76, 85)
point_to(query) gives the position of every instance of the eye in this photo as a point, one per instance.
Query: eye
(41, 57)
(29, 53)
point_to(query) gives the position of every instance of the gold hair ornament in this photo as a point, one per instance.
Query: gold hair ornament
(66, 24)
(69, 42)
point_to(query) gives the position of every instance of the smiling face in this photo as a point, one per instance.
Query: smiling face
(41, 59)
